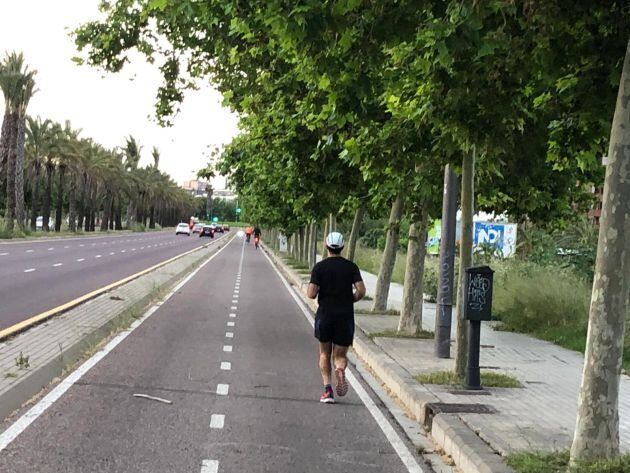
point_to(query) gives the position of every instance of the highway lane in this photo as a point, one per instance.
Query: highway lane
(36, 276)
(232, 352)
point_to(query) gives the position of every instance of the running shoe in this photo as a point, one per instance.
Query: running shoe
(327, 397)
(342, 384)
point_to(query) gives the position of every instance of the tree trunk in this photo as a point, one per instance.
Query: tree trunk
(35, 194)
(5, 144)
(59, 210)
(389, 257)
(72, 204)
(152, 217)
(9, 214)
(465, 257)
(333, 223)
(20, 213)
(410, 321)
(354, 234)
(326, 232)
(107, 211)
(50, 168)
(597, 427)
(312, 249)
(119, 225)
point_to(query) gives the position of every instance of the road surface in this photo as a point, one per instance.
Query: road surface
(236, 357)
(36, 276)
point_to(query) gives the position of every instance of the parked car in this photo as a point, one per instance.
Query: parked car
(197, 227)
(206, 231)
(226, 227)
(183, 229)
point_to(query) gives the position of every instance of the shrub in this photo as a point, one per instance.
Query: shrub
(549, 303)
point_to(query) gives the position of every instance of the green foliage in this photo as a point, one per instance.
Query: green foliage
(489, 379)
(558, 462)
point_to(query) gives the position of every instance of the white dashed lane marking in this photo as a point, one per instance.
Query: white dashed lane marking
(232, 315)
(80, 260)
(227, 348)
(233, 307)
(30, 270)
(50, 249)
(223, 389)
(217, 421)
(230, 324)
(226, 365)
(56, 265)
(209, 466)
(29, 251)
(4, 254)
(229, 334)
(98, 256)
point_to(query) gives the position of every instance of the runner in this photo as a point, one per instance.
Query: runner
(337, 284)
(257, 233)
(248, 233)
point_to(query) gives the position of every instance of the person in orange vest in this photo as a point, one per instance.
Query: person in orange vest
(248, 233)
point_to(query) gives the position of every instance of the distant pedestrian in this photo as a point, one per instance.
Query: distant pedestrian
(248, 233)
(337, 284)
(256, 232)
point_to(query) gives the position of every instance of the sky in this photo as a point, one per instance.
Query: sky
(109, 107)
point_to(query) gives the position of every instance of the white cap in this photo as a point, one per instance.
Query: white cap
(334, 240)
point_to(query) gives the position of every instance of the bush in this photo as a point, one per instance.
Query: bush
(373, 238)
(549, 303)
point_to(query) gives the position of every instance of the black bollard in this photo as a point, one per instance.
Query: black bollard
(477, 307)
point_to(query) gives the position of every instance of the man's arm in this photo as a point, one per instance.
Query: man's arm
(312, 290)
(359, 291)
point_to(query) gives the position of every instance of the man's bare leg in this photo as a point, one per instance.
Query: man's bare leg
(340, 356)
(325, 351)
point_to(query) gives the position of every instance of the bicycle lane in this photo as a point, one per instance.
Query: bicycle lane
(237, 360)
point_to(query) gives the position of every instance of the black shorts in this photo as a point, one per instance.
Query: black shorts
(338, 331)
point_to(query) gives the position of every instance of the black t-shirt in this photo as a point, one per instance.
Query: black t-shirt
(335, 277)
(257, 232)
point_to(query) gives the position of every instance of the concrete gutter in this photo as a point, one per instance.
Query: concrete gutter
(469, 452)
(57, 344)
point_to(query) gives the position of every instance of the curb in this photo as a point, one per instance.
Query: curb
(469, 452)
(41, 375)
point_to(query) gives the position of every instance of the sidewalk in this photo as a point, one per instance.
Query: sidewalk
(539, 416)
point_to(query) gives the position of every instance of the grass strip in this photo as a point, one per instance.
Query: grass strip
(558, 462)
(489, 379)
(423, 334)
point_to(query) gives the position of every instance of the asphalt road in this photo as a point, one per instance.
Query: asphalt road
(244, 390)
(36, 276)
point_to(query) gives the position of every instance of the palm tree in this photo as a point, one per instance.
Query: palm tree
(18, 85)
(38, 135)
(27, 90)
(132, 158)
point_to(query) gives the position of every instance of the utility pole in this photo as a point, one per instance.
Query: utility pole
(443, 319)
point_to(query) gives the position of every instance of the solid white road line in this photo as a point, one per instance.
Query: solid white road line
(226, 365)
(80, 260)
(229, 334)
(227, 348)
(230, 324)
(56, 265)
(217, 421)
(223, 389)
(394, 439)
(30, 270)
(38, 409)
(209, 466)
